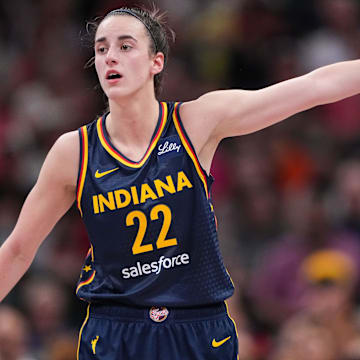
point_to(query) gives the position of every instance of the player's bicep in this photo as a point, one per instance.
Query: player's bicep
(52, 195)
(229, 113)
(256, 110)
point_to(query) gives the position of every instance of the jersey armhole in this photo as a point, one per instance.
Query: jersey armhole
(83, 162)
(205, 178)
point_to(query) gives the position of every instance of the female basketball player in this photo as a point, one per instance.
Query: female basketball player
(153, 277)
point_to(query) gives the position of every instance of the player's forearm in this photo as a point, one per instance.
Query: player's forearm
(13, 265)
(336, 82)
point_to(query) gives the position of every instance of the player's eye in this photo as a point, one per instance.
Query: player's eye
(101, 49)
(125, 47)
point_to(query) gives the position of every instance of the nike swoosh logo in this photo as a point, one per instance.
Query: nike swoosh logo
(216, 344)
(99, 175)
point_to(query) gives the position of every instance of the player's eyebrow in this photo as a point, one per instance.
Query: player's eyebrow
(121, 37)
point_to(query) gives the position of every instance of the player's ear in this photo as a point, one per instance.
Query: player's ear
(157, 63)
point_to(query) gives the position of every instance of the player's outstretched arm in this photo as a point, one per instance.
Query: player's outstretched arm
(237, 112)
(51, 197)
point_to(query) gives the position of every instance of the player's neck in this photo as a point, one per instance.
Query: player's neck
(132, 122)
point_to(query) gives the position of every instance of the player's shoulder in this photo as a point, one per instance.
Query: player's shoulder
(201, 110)
(68, 141)
(200, 106)
(66, 149)
(62, 161)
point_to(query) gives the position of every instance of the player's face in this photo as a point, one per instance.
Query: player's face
(123, 59)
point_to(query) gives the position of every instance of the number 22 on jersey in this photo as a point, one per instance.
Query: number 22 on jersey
(161, 242)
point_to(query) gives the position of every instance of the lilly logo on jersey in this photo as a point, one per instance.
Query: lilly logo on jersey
(168, 145)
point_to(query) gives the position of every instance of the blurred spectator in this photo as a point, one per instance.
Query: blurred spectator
(276, 286)
(255, 28)
(327, 326)
(14, 333)
(45, 302)
(344, 200)
(333, 41)
(63, 347)
(332, 277)
(301, 339)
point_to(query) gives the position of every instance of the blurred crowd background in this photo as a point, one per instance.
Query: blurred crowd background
(287, 198)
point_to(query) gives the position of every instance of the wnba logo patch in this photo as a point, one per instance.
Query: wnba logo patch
(158, 314)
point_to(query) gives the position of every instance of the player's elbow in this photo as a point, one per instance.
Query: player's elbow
(322, 89)
(17, 250)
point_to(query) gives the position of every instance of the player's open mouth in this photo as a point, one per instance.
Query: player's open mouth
(113, 75)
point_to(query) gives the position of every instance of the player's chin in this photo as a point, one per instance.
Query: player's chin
(117, 93)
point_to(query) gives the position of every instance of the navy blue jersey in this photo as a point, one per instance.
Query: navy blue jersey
(151, 223)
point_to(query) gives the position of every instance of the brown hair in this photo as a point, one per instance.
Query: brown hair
(159, 33)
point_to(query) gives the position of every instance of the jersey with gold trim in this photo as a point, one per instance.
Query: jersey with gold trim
(150, 223)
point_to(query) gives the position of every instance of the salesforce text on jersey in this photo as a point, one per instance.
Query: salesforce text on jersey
(155, 266)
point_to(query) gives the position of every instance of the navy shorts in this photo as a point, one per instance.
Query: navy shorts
(126, 333)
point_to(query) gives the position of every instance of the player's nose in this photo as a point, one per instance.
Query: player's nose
(111, 57)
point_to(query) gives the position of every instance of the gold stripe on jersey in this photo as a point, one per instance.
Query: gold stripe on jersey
(81, 330)
(189, 150)
(84, 163)
(121, 158)
(86, 282)
(228, 314)
(90, 252)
